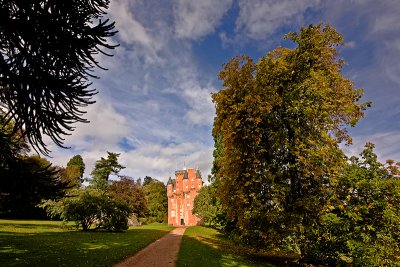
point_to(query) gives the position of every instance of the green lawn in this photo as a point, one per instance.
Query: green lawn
(48, 243)
(203, 246)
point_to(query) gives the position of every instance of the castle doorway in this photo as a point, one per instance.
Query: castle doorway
(182, 222)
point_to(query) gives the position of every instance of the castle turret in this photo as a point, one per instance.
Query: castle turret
(185, 185)
(198, 174)
(170, 187)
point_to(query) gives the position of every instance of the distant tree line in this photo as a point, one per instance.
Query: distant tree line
(31, 185)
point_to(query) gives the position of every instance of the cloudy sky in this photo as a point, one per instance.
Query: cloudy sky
(154, 104)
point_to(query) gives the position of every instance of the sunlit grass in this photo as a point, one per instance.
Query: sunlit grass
(48, 243)
(33, 227)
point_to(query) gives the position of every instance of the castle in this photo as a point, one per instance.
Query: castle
(181, 192)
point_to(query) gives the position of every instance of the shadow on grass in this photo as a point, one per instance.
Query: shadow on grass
(257, 257)
(73, 248)
(202, 251)
(214, 249)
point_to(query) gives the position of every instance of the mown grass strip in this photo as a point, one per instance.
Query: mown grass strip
(48, 243)
(203, 246)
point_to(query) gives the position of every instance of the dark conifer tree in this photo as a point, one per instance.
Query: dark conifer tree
(47, 57)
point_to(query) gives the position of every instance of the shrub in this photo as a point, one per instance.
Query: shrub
(361, 225)
(90, 209)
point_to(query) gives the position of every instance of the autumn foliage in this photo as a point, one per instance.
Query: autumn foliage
(277, 130)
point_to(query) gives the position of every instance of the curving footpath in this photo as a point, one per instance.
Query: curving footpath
(161, 253)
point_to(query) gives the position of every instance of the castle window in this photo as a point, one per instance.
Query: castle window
(172, 213)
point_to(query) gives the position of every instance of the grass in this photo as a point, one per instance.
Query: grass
(203, 246)
(49, 243)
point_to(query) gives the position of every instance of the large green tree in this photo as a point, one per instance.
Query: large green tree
(48, 52)
(277, 129)
(157, 201)
(207, 207)
(361, 223)
(103, 168)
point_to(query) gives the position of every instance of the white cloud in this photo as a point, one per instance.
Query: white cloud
(350, 44)
(105, 129)
(383, 31)
(386, 23)
(258, 19)
(390, 60)
(387, 20)
(384, 145)
(161, 161)
(195, 19)
(179, 149)
(140, 41)
(201, 109)
(130, 30)
(225, 40)
(152, 106)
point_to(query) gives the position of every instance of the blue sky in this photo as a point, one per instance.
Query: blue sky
(154, 103)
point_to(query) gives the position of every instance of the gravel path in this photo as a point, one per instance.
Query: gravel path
(161, 253)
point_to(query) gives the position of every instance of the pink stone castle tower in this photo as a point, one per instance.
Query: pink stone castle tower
(181, 192)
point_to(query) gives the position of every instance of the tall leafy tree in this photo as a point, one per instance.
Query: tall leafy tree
(47, 56)
(77, 161)
(103, 168)
(73, 173)
(277, 129)
(132, 193)
(157, 201)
